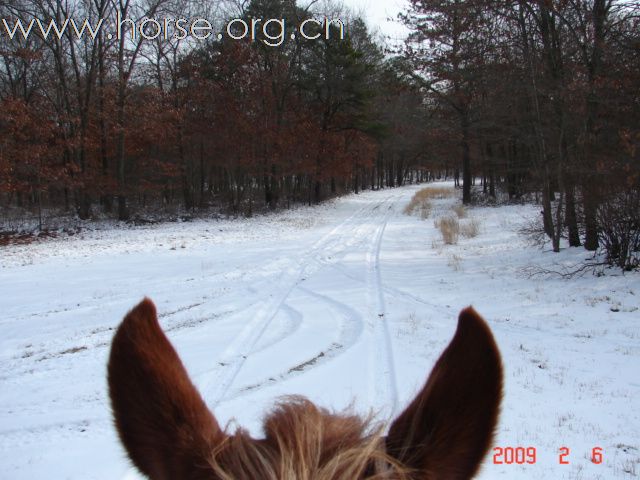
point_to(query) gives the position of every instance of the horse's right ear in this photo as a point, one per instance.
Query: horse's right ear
(164, 424)
(448, 428)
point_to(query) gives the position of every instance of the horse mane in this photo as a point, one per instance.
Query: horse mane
(303, 441)
(170, 434)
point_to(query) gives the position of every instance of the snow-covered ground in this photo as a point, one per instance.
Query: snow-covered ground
(288, 303)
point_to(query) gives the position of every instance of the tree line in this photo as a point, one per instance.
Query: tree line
(542, 97)
(116, 124)
(536, 97)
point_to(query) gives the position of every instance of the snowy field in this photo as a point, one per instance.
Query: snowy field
(290, 303)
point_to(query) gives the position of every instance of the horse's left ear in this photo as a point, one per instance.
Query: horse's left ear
(164, 424)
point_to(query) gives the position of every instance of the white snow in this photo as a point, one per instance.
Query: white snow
(292, 303)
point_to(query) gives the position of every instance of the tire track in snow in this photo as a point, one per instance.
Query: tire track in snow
(291, 325)
(349, 332)
(396, 292)
(378, 329)
(22, 436)
(382, 374)
(215, 384)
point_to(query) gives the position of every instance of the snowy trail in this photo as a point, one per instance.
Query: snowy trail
(215, 384)
(348, 303)
(349, 331)
(348, 238)
(382, 376)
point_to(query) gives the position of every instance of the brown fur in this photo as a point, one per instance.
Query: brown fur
(170, 434)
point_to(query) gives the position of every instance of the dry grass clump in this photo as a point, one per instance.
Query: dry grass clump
(470, 228)
(420, 202)
(449, 229)
(460, 210)
(455, 262)
(437, 192)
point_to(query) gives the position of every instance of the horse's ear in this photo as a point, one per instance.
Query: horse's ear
(448, 428)
(163, 422)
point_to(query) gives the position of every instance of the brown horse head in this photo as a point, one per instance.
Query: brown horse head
(170, 434)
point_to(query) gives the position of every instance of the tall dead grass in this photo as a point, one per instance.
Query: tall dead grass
(419, 203)
(460, 210)
(421, 200)
(449, 227)
(470, 228)
(452, 224)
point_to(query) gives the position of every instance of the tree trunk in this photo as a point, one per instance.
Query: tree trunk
(571, 218)
(600, 14)
(123, 208)
(466, 161)
(590, 206)
(547, 215)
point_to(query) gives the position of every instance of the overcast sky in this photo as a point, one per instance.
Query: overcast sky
(376, 12)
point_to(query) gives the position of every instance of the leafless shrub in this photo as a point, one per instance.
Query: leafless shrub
(564, 271)
(629, 466)
(533, 232)
(619, 221)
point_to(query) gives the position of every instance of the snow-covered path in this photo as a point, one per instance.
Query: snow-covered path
(349, 303)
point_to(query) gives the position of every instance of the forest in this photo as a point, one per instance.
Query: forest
(516, 100)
